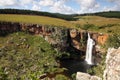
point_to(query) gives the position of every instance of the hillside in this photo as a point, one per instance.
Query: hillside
(39, 13)
(43, 20)
(109, 14)
(97, 23)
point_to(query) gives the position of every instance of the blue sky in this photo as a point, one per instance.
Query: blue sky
(63, 6)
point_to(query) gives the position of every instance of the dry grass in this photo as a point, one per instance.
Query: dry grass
(35, 20)
(109, 25)
(96, 20)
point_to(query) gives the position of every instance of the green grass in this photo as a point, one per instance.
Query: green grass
(35, 20)
(23, 56)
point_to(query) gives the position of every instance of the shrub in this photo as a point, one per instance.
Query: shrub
(61, 77)
(113, 41)
(90, 26)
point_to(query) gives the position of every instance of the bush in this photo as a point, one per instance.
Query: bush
(113, 41)
(90, 26)
(61, 77)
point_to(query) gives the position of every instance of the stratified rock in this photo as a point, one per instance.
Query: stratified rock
(73, 33)
(85, 76)
(102, 39)
(112, 70)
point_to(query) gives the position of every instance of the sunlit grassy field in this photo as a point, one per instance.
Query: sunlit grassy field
(35, 20)
(96, 20)
(106, 25)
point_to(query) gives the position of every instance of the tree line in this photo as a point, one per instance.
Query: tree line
(108, 14)
(70, 17)
(39, 13)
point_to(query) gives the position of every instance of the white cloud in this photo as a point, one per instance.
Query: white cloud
(116, 6)
(26, 1)
(8, 2)
(46, 2)
(60, 7)
(88, 5)
(36, 7)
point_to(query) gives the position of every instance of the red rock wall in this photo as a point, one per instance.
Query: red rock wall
(102, 39)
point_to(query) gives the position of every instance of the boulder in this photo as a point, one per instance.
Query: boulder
(85, 76)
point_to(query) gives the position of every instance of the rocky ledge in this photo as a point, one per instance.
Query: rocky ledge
(112, 70)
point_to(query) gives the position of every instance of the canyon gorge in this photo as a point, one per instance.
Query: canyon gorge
(73, 41)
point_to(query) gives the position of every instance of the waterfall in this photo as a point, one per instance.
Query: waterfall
(89, 49)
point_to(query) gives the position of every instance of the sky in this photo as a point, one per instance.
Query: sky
(63, 6)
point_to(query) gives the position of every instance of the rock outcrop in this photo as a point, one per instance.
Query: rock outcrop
(85, 76)
(102, 38)
(112, 70)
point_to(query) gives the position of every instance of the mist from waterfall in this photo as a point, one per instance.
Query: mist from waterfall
(90, 44)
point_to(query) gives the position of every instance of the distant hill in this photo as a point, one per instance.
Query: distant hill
(108, 14)
(30, 12)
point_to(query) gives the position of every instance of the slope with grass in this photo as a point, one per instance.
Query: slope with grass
(101, 24)
(35, 20)
(39, 13)
(26, 57)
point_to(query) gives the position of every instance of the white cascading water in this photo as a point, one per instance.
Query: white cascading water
(90, 43)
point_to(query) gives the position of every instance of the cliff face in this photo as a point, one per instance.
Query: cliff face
(112, 70)
(63, 37)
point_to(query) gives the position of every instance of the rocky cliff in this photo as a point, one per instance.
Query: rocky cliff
(112, 70)
(60, 37)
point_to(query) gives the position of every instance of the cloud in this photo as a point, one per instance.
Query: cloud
(88, 5)
(60, 7)
(46, 2)
(117, 2)
(24, 2)
(8, 2)
(36, 7)
(115, 7)
(57, 6)
(114, 1)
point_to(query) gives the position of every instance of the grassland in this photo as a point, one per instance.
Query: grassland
(35, 20)
(97, 20)
(100, 24)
